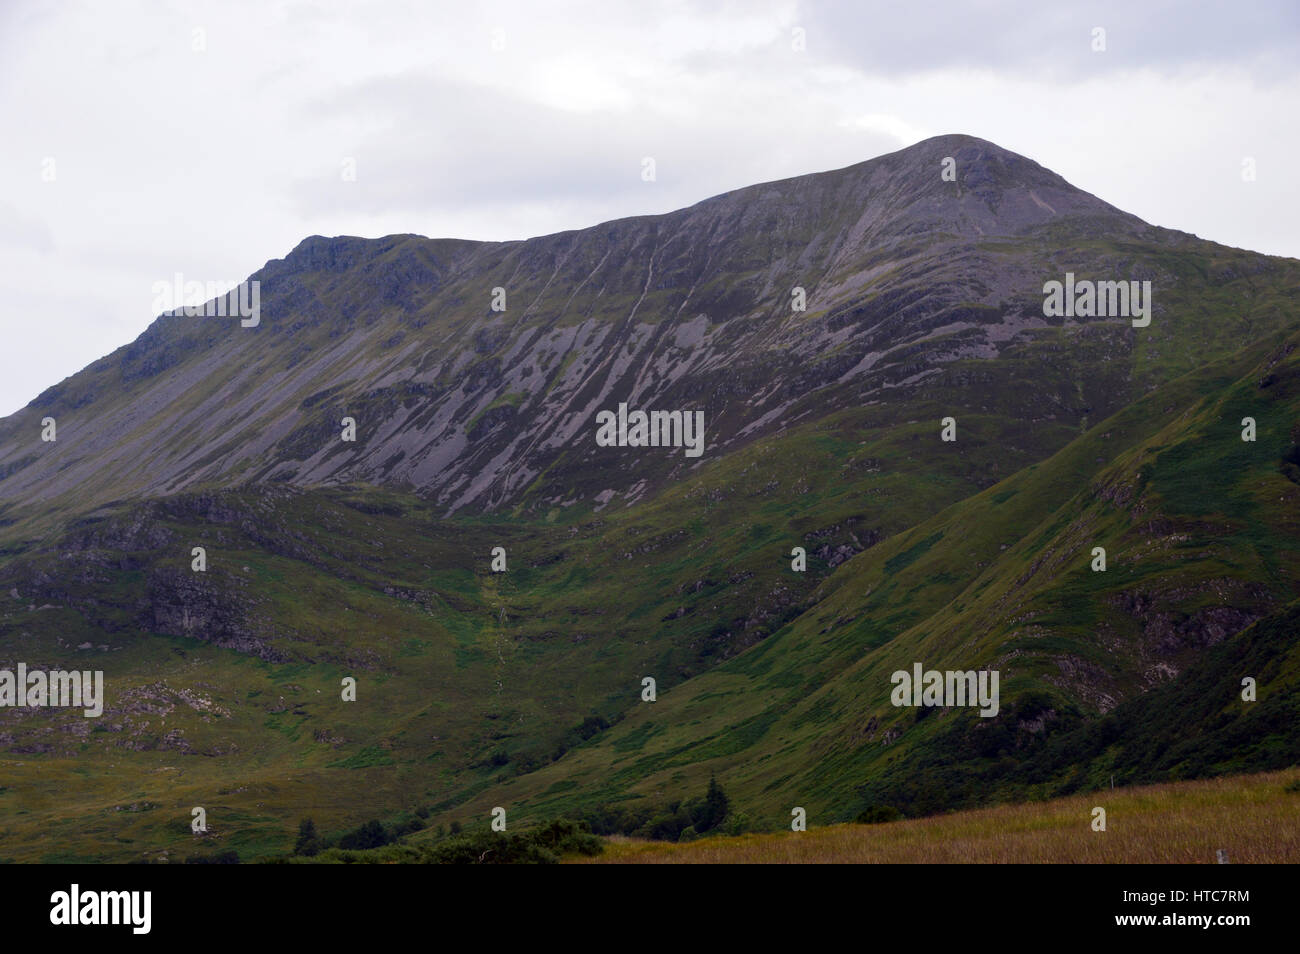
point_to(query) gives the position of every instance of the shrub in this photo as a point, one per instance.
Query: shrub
(542, 845)
(369, 835)
(221, 858)
(737, 823)
(877, 814)
(668, 822)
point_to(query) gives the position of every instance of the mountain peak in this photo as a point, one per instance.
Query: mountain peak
(474, 369)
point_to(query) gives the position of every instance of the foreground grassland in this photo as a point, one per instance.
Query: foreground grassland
(1255, 818)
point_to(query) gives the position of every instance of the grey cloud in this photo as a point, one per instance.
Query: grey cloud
(1051, 41)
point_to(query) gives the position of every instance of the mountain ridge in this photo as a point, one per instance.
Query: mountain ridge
(896, 264)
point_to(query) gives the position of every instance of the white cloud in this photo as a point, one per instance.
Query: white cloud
(894, 126)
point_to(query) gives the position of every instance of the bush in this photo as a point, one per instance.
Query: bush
(221, 858)
(407, 827)
(617, 820)
(369, 835)
(878, 814)
(590, 726)
(669, 822)
(568, 838)
(542, 845)
(737, 823)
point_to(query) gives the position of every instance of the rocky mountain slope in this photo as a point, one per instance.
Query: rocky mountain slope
(907, 278)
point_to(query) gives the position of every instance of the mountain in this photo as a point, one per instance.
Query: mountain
(477, 429)
(912, 283)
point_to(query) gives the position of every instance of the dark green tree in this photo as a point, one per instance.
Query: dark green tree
(369, 835)
(308, 843)
(716, 806)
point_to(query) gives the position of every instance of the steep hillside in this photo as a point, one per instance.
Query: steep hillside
(522, 688)
(1135, 671)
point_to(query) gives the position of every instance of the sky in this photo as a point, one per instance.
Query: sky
(145, 139)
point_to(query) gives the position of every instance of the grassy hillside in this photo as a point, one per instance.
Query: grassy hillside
(466, 677)
(522, 689)
(1198, 583)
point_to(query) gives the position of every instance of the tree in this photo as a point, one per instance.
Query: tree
(308, 843)
(716, 806)
(369, 835)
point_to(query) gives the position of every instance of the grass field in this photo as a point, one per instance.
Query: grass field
(1255, 818)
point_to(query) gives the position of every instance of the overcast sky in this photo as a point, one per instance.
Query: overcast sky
(207, 138)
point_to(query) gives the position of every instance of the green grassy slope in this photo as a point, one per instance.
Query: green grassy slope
(1201, 537)
(466, 677)
(473, 684)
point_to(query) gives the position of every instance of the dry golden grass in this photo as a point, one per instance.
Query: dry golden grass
(1251, 816)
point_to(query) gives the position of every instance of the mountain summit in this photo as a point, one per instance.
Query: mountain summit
(474, 370)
